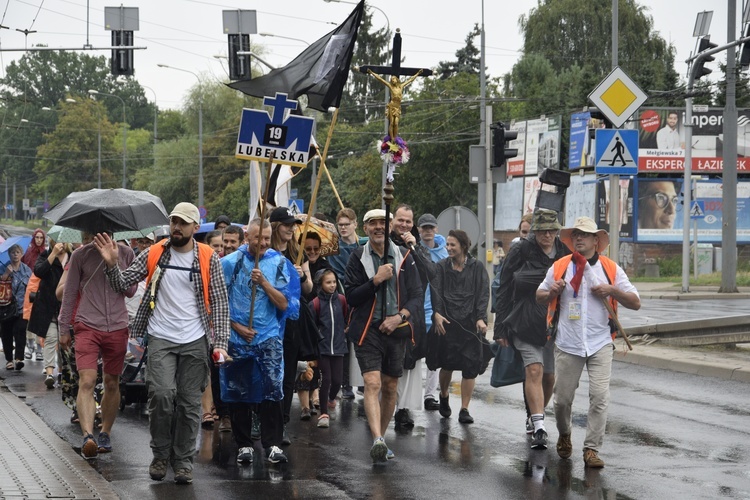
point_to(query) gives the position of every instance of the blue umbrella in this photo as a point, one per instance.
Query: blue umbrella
(22, 241)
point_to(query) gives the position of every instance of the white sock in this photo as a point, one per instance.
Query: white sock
(538, 420)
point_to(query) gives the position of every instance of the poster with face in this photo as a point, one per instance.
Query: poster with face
(626, 206)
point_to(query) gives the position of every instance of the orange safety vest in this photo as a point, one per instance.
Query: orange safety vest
(204, 261)
(558, 271)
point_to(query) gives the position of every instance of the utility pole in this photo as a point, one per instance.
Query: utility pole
(614, 180)
(729, 172)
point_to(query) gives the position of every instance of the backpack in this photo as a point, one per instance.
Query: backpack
(8, 306)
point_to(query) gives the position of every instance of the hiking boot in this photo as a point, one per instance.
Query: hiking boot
(564, 446)
(431, 404)
(403, 417)
(105, 444)
(529, 426)
(323, 421)
(225, 425)
(379, 451)
(591, 459)
(89, 447)
(245, 455)
(275, 455)
(305, 414)
(445, 407)
(464, 417)
(49, 381)
(539, 440)
(183, 476)
(158, 469)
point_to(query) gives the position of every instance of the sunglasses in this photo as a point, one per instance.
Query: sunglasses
(661, 199)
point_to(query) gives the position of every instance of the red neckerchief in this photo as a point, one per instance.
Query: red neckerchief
(579, 262)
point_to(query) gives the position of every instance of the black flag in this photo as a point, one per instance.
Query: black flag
(320, 71)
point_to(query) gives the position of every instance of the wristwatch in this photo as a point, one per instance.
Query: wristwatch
(403, 316)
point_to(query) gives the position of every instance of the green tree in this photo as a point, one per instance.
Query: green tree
(467, 58)
(174, 175)
(68, 158)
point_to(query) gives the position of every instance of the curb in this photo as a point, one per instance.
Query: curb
(685, 363)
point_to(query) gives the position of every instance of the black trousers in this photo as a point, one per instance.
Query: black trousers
(291, 352)
(271, 424)
(13, 331)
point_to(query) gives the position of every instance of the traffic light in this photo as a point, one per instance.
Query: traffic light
(500, 139)
(745, 52)
(122, 59)
(239, 59)
(699, 71)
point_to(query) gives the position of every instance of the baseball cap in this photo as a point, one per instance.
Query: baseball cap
(283, 215)
(427, 220)
(375, 214)
(187, 212)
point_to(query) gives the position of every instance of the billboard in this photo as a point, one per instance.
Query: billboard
(580, 198)
(516, 165)
(662, 140)
(660, 204)
(542, 144)
(626, 206)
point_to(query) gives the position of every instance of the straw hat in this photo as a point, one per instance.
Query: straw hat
(585, 225)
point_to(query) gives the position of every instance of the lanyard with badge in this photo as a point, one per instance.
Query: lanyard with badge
(574, 308)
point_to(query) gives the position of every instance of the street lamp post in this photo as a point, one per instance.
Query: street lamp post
(124, 140)
(285, 37)
(200, 129)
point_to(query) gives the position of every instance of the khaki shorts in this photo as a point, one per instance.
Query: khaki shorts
(531, 354)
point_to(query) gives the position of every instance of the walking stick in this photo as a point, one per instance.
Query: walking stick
(263, 210)
(588, 272)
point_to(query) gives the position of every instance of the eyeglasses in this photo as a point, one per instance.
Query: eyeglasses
(546, 231)
(661, 199)
(580, 234)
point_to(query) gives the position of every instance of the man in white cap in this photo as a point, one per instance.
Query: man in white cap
(575, 290)
(385, 293)
(185, 301)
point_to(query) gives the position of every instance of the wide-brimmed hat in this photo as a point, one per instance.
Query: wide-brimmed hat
(545, 220)
(585, 225)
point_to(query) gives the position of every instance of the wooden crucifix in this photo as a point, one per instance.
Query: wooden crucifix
(392, 142)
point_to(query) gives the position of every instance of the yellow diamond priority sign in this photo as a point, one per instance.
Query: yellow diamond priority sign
(618, 97)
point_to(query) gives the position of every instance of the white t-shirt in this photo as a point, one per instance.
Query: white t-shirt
(175, 317)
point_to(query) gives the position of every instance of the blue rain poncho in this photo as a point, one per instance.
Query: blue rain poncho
(257, 370)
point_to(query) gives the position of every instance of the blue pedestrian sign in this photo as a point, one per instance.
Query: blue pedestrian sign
(282, 134)
(616, 151)
(697, 209)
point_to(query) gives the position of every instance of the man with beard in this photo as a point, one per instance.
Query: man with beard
(386, 296)
(185, 301)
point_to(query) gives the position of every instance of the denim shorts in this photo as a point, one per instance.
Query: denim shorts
(381, 353)
(531, 354)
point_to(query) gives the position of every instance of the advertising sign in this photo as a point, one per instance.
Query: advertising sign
(580, 198)
(516, 165)
(579, 139)
(659, 211)
(626, 207)
(542, 145)
(662, 140)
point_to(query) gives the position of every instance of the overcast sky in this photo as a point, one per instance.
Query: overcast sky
(188, 33)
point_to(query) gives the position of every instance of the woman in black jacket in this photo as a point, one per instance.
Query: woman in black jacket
(43, 320)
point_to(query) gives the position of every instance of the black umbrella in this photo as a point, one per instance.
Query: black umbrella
(109, 210)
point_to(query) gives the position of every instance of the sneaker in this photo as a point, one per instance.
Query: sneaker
(390, 455)
(379, 451)
(39, 356)
(245, 455)
(27, 354)
(347, 393)
(183, 476)
(332, 404)
(539, 440)
(49, 381)
(445, 407)
(275, 455)
(285, 440)
(591, 459)
(158, 469)
(305, 414)
(361, 390)
(225, 425)
(403, 417)
(19, 364)
(89, 447)
(105, 444)
(314, 410)
(431, 404)
(323, 421)
(529, 426)
(564, 446)
(464, 417)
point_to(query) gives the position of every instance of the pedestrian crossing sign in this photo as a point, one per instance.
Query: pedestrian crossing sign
(697, 209)
(616, 151)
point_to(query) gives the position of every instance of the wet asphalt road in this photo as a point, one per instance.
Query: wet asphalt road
(669, 435)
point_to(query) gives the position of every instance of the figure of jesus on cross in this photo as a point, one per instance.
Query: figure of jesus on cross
(393, 108)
